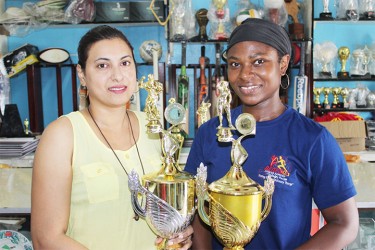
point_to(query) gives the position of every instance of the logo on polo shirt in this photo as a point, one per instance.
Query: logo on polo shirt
(279, 169)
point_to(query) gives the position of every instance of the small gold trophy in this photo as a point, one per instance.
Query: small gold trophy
(202, 19)
(335, 92)
(224, 134)
(343, 54)
(169, 192)
(317, 92)
(235, 200)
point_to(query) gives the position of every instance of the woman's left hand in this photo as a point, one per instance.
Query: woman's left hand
(182, 240)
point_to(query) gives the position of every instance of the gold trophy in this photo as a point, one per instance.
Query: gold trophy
(222, 18)
(235, 201)
(317, 92)
(170, 192)
(343, 53)
(153, 88)
(326, 92)
(224, 134)
(335, 92)
(202, 19)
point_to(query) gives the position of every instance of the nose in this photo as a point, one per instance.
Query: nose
(117, 74)
(246, 71)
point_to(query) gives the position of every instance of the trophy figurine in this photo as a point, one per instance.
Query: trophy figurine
(170, 192)
(203, 113)
(154, 88)
(326, 14)
(224, 134)
(235, 201)
(326, 91)
(343, 53)
(317, 92)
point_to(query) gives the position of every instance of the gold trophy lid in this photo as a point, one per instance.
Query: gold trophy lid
(236, 182)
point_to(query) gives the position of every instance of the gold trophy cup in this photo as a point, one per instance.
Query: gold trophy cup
(343, 54)
(336, 92)
(235, 201)
(170, 192)
(317, 92)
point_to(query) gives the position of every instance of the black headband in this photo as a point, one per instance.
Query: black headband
(260, 30)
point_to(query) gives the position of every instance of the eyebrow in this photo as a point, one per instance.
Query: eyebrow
(107, 59)
(251, 56)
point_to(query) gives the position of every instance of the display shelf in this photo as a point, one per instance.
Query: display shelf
(341, 32)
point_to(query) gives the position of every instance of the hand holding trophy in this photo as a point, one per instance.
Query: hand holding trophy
(233, 225)
(170, 192)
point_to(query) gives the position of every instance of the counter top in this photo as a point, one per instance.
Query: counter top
(15, 186)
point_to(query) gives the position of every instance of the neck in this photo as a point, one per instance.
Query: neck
(262, 113)
(112, 119)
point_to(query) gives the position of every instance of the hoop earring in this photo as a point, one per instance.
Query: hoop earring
(283, 85)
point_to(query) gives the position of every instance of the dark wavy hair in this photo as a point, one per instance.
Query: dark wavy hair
(96, 34)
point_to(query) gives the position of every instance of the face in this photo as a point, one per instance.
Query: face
(110, 74)
(254, 72)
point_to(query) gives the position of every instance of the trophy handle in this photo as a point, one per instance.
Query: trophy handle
(136, 188)
(269, 187)
(267, 207)
(202, 193)
(202, 211)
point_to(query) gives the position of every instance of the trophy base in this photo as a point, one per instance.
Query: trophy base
(369, 15)
(154, 126)
(318, 105)
(343, 75)
(224, 134)
(366, 76)
(326, 15)
(327, 106)
(324, 74)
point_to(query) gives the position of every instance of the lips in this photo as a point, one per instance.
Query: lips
(247, 90)
(118, 89)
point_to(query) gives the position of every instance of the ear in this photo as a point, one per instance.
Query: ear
(284, 63)
(81, 75)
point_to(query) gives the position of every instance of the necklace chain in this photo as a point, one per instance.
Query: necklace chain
(109, 145)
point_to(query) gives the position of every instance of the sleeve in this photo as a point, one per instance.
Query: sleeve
(331, 179)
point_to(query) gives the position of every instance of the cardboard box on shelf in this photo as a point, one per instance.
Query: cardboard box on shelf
(350, 135)
(112, 12)
(140, 11)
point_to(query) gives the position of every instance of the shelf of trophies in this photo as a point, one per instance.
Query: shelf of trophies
(344, 57)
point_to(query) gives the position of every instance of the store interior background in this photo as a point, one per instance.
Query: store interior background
(67, 37)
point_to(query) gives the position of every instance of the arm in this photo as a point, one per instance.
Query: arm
(51, 188)
(202, 236)
(340, 230)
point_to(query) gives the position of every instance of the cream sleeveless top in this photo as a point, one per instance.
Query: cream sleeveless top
(101, 214)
